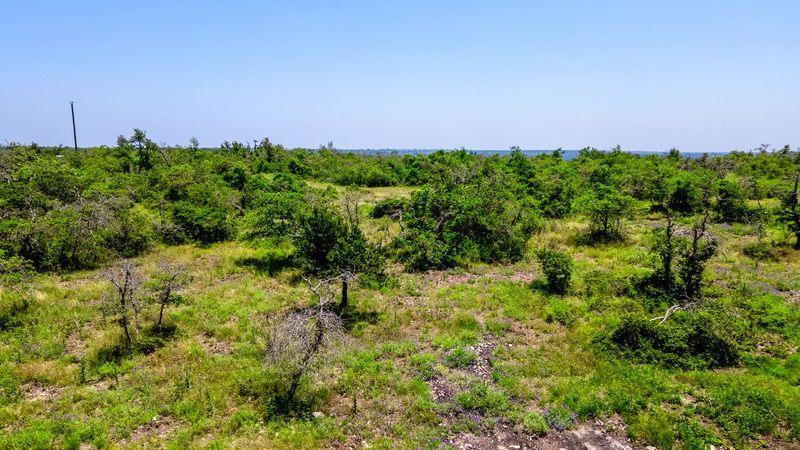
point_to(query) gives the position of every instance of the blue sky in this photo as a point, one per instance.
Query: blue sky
(699, 75)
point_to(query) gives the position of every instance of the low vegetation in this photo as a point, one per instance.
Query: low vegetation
(258, 296)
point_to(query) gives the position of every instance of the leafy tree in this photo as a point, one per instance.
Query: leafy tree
(730, 204)
(685, 194)
(141, 147)
(605, 207)
(464, 217)
(206, 215)
(331, 244)
(691, 251)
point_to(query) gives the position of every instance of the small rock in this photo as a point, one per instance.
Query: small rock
(318, 414)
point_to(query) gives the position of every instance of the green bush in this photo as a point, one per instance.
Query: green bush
(561, 311)
(686, 340)
(388, 207)
(483, 398)
(425, 364)
(606, 207)
(459, 357)
(730, 205)
(11, 305)
(557, 268)
(461, 219)
(535, 423)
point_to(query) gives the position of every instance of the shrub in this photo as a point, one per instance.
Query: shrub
(389, 207)
(562, 312)
(535, 423)
(460, 357)
(759, 251)
(559, 418)
(483, 398)
(685, 195)
(464, 218)
(730, 205)
(687, 341)
(11, 305)
(557, 268)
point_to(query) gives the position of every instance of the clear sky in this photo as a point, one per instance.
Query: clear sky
(699, 75)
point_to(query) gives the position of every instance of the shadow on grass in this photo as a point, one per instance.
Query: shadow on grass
(117, 348)
(352, 317)
(269, 263)
(596, 239)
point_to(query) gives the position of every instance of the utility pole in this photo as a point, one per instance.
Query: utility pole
(74, 133)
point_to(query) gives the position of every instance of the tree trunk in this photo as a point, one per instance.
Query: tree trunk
(343, 303)
(124, 322)
(160, 316)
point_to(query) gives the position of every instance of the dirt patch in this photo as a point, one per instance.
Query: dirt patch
(214, 346)
(102, 385)
(158, 428)
(792, 297)
(442, 278)
(601, 434)
(75, 346)
(442, 390)
(482, 367)
(36, 391)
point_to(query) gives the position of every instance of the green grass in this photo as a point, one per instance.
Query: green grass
(64, 381)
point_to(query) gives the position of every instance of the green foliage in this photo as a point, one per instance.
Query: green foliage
(466, 218)
(605, 207)
(391, 207)
(557, 268)
(731, 203)
(687, 340)
(534, 423)
(425, 364)
(11, 304)
(460, 357)
(685, 194)
(483, 398)
(723, 373)
(790, 209)
(329, 244)
(561, 311)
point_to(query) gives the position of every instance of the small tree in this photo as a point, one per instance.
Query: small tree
(606, 207)
(692, 251)
(331, 244)
(304, 338)
(557, 268)
(140, 146)
(664, 248)
(790, 211)
(125, 303)
(167, 282)
(730, 205)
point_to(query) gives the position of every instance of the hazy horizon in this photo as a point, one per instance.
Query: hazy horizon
(713, 77)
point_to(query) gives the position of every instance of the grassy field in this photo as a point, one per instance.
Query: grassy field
(478, 355)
